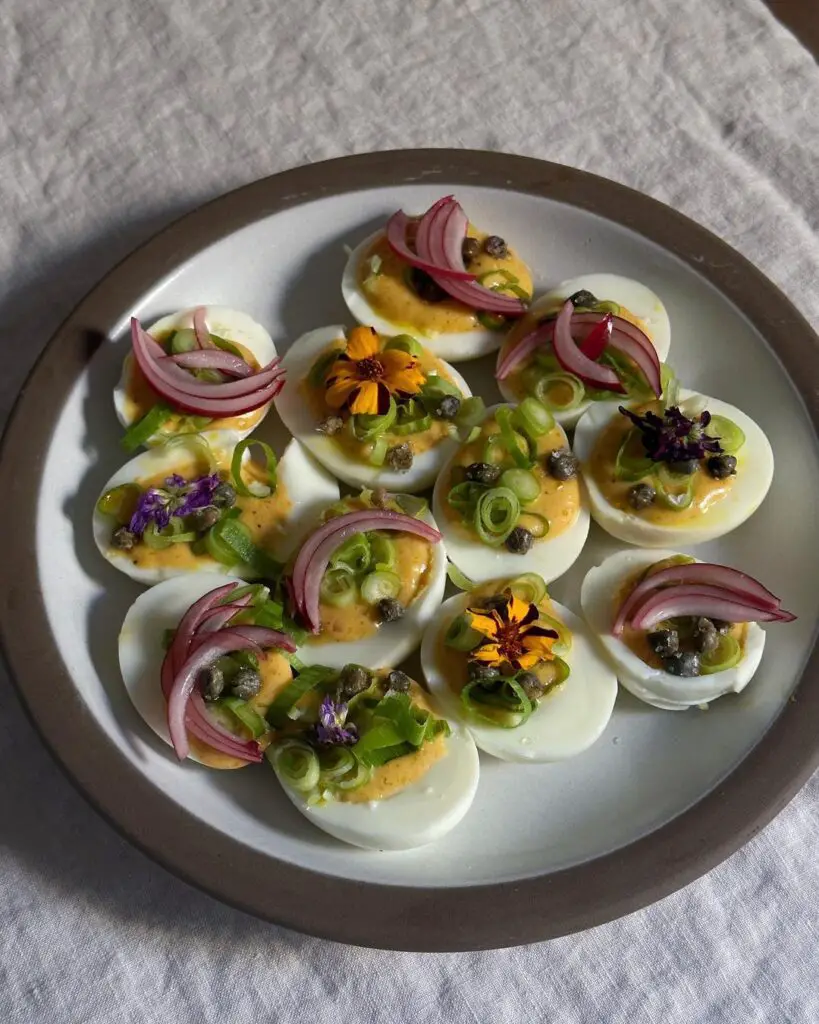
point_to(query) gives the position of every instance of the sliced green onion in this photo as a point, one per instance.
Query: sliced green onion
(506, 705)
(529, 587)
(247, 715)
(183, 340)
(604, 306)
(228, 346)
(563, 644)
(318, 371)
(491, 322)
(412, 426)
(461, 636)
(548, 383)
(631, 462)
(378, 452)
(231, 534)
(383, 553)
(670, 386)
(120, 502)
(546, 360)
(511, 439)
(725, 655)
(368, 428)
(463, 497)
(493, 451)
(380, 584)
(677, 500)
(354, 554)
(296, 763)
(314, 677)
(363, 774)
(535, 523)
(523, 483)
(335, 763)
(258, 591)
(174, 533)
(667, 563)
(455, 575)
(406, 343)
(338, 588)
(533, 418)
(496, 514)
(143, 430)
(436, 386)
(471, 412)
(411, 504)
(218, 549)
(731, 437)
(270, 462)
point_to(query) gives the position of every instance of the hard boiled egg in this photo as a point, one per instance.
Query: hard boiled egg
(561, 503)
(566, 720)
(375, 287)
(278, 523)
(637, 303)
(299, 407)
(717, 506)
(351, 633)
(141, 652)
(602, 592)
(134, 397)
(409, 815)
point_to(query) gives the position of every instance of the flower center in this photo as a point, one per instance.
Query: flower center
(370, 368)
(509, 641)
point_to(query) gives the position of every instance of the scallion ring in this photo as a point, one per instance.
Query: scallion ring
(731, 437)
(338, 588)
(523, 483)
(725, 655)
(368, 428)
(380, 584)
(270, 461)
(529, 587)
(406, 343)
(296, 763)
(461, 636)
(511, 439)
(533, 418)
(496, 514)
(550, 389)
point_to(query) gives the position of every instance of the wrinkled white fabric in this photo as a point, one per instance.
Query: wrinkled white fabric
(117, 117)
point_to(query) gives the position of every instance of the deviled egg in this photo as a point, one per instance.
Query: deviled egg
(613, 321)
(682, 475)
(191, 507)
(519, 671)
(365, 757)
(374, 410)
(440, 279)
(192, 623)
(678, 632)
(213, 371)
(512, 496)
(368, 581)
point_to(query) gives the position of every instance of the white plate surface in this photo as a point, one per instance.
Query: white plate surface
(285, 271)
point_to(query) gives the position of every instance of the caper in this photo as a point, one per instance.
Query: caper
(641, 496)
(562, 464)
(398, 681)
(399, 457)
(531, 685)
(664, 642)
(496, 247)
(684, 663)
(352, 679)
(483, 473)
(202, 519)
(519, 541)
(720, 467)
(224, 496)
(213, 682)
(330, 425)
(123, 539)
(389, 609)
(246, 683)
(478, 672)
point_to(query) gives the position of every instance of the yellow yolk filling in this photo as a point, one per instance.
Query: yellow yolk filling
(558, 500)
(276, 674)
(359, 451)
(140, 398)
(391, 296)
(390, 778)
(707, 490)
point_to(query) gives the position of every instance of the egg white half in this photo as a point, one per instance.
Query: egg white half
(229, 324)
(566, 721)
(455, 346)
(549, 557)
(755, 467)
(392, 641)
(310, 489)
(140, 642)
(300, 421)
(419, 814)
(652, 685)
(630, 294)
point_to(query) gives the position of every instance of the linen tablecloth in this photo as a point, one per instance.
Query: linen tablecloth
(116, 118)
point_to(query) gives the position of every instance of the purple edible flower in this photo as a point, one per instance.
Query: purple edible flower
(330, 730)
(178, 497)
(673, 437)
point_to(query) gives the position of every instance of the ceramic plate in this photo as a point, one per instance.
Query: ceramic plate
(545, 850)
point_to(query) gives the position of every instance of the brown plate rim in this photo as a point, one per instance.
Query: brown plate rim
(395, 917)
